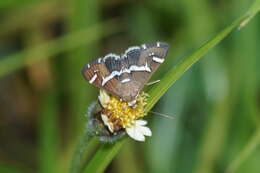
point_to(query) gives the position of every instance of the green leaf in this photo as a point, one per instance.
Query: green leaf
(107, 152)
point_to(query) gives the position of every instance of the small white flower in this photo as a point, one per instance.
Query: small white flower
(107, 123)
(104, 98)
(138, 131)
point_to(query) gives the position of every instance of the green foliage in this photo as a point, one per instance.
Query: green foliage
(216, 102)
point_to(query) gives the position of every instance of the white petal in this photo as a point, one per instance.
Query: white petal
(103, 98)
(145, 130)
(141, 122)
(107, 123)
(135, 134)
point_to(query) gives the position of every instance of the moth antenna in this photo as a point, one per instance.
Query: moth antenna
(153, 82)
(163, 115)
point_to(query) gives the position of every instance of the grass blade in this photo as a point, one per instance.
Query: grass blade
(103, 157)
(245, 153)
(71, 41)
(49, 141)
(85, 146)
(173, 75)
(73, 62)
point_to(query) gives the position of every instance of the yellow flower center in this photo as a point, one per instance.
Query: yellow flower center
(120, 113)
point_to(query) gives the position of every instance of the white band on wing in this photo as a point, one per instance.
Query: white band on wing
(131, 68)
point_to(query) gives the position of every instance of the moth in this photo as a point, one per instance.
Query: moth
(125, 75)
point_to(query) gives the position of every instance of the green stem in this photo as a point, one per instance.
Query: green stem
(82, 152)
(103, 157)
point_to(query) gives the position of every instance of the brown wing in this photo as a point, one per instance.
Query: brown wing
(125, 76)
(95, 73)
(153, 54)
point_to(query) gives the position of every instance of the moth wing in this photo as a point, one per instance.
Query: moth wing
(142, 61)
(95, 73)
(152, 56)
(138, 64)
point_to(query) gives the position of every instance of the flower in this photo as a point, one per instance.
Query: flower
(138, 131)
(107, 123)
(104, 98)
(119, 115)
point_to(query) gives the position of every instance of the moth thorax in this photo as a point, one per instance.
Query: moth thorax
(131, 91)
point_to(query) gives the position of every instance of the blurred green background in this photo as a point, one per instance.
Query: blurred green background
(43, 96)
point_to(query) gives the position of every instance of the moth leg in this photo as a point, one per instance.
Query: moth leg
(153, 82)
(132, 103)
